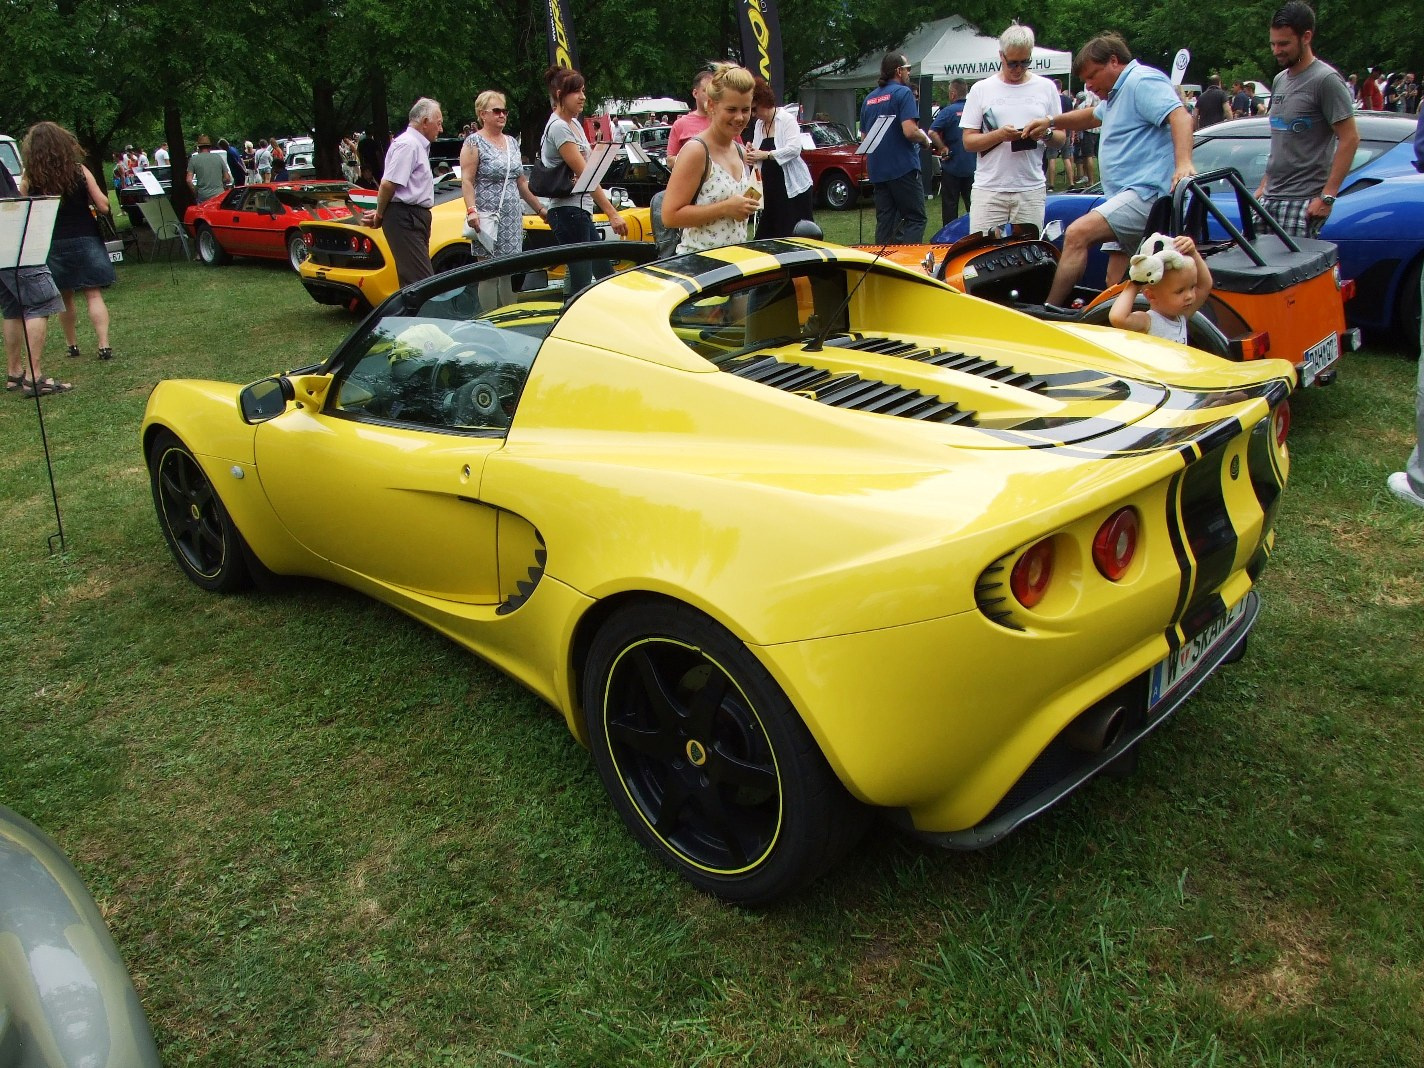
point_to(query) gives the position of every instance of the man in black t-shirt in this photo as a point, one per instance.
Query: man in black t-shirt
(1211, 105)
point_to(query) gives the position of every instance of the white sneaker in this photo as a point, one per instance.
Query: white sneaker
(1400, 487)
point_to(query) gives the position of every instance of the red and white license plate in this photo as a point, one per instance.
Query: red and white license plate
(1169, 673)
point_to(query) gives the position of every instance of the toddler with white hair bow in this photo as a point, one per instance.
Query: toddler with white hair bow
(1170, 273)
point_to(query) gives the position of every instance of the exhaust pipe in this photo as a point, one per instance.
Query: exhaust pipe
(1097, 729)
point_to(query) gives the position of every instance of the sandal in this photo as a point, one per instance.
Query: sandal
(14, 382)
(43, 387)
(73, 352)
(106, 353)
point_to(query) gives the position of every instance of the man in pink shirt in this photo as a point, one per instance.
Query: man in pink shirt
(695, 121)
(407, 193)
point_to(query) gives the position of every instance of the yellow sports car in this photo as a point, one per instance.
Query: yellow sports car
(780, 548)
(350, 265)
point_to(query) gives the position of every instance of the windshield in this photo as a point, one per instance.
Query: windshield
(1249, 154)
(829, 135)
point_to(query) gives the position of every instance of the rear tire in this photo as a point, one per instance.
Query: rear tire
(447, 259)
(707, 762)
(838, 191)
(296, 250)
(209, 251)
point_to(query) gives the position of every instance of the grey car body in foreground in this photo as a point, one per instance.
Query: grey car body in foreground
(65, 997)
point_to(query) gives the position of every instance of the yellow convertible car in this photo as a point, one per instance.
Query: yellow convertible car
(350, 265)
(781, 548)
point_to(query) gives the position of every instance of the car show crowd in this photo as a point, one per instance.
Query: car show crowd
(997, 146)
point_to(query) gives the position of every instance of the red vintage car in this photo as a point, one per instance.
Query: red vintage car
(838, 174)
(261, 219)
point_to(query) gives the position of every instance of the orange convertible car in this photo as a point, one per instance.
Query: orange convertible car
(1274, 295)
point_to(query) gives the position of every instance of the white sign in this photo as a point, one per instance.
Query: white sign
(1179, 66)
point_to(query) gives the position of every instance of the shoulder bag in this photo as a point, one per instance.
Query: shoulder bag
(546, 181)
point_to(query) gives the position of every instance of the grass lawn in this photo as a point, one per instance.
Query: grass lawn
(322, 835)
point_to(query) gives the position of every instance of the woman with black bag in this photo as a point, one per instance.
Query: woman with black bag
(571, 217)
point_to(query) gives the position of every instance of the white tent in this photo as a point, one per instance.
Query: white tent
(944, 49)
(646, 105)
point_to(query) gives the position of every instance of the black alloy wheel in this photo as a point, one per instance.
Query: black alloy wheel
(197, 527)
(707, 761)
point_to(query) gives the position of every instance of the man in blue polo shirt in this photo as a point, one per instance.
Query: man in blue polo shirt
(894, 164)
(1144, 151)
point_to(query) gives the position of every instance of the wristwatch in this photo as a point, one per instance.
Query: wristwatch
(1327, 199)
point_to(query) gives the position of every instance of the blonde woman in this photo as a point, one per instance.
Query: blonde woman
(492, 179)
(714, 212)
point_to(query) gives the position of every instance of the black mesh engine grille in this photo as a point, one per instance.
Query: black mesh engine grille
(849, 390)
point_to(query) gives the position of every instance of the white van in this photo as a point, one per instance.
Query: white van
(10, 156)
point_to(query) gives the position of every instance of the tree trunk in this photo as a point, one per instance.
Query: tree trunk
(180, 194)
(326, 135)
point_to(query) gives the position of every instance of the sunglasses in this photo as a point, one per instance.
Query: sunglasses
(499, 111)
(1017, 64)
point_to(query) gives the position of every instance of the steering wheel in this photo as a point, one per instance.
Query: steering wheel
(479, 402)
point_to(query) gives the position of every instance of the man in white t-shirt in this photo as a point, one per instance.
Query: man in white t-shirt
(1009, 184)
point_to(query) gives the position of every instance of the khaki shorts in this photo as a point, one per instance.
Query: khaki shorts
(1126, 213)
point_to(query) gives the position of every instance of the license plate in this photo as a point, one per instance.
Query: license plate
(116, 257)
(1318, 357)
(1170, 672)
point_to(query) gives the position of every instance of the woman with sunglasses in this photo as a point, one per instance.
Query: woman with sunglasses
(492, 179)
(1009, 182)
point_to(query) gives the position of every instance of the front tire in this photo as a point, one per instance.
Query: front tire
(199, 532)
(209, 251)
(838, 191)
(707, 761)
(296, 250)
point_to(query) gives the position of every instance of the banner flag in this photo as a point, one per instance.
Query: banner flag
(761, 43)
(563, 48)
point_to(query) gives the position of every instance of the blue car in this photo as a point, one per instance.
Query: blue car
(1378, 222)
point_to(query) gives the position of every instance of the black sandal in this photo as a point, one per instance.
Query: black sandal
(106, 353)
(73, 352)
(14, 382)
(43, 387)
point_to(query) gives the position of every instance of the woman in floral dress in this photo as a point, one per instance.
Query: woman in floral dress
(492, 178)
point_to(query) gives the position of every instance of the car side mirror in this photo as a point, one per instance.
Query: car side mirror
(265, 400)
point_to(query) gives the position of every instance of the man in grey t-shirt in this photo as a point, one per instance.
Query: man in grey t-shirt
(1310, 108)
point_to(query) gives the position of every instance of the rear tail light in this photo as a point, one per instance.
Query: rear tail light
(1115, 543)
(367, 245)
(355, 242)
(1280, 423)
(308, 239)
(1029, 579)
(1255, 346)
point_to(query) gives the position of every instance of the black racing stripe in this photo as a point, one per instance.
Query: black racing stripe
(1210, 535)
(1176, 536)
(1264, 469)
(1273, 391)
